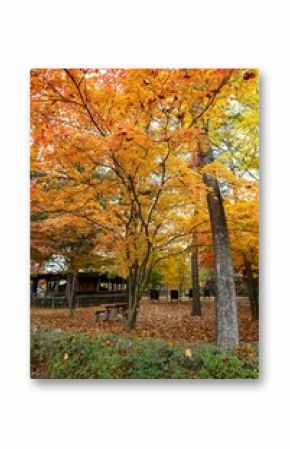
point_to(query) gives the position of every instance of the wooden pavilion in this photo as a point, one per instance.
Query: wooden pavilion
(50, 289)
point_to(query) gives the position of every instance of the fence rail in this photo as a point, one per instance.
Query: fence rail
(82, 300)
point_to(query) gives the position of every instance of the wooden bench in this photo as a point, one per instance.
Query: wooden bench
(110, 311)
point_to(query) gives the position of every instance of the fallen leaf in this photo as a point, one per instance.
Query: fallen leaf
(188, 353)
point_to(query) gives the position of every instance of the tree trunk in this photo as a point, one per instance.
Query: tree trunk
(226, 304)
(71, 289)
(196, 307)
(130, 321)
(252, 291)
(136, 285)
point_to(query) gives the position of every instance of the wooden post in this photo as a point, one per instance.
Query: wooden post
(34, 285)
(46, 288)
(33, 289)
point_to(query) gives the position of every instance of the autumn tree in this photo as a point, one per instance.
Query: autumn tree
(175, 271)
(125, 151)
(236, 146)
(232, 86)
(96, 141)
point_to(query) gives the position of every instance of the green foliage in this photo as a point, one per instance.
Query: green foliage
(211, 362)
(63, 355)
(206, 275)
(155, 279)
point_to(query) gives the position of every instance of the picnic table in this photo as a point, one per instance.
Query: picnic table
(110, 311)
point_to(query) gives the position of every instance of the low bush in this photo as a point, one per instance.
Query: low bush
(65, 355)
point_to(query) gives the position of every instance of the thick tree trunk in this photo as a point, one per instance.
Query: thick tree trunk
(252, 290)
(226, 305)
(71, 289)
(196, 307)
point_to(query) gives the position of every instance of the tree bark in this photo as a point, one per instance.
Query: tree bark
(196, 307)
(226, 305)
(252, 291)
(130, 320)
(71, 289)
(137, 281)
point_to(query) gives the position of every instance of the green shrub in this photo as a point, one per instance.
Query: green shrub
(64, 355)
(210, 362)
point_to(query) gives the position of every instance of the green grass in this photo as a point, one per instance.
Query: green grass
(67, 355)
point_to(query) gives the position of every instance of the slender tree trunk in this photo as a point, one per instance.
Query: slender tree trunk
(71, 289)
(226, 305)
(196, 307)
(133, 300)
(252, 291)
(132, 315)
(137, 282)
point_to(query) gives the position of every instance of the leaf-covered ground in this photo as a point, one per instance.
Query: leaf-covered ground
(169, 321)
